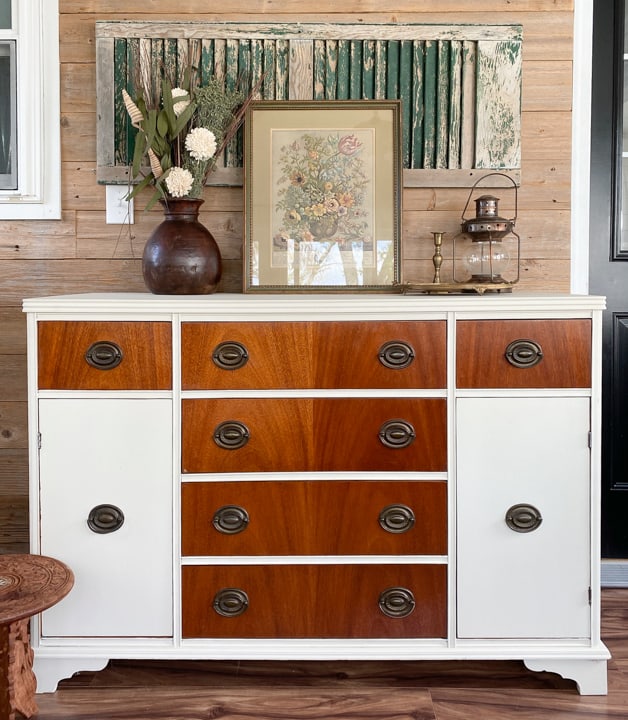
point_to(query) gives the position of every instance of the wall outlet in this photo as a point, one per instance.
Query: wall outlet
(119, 210)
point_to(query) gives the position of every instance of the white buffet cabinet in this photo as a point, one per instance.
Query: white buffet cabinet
(318, 476)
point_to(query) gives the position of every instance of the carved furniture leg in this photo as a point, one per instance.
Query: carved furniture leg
(17, 680)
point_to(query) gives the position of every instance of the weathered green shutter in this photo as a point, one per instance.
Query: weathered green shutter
(460, 86)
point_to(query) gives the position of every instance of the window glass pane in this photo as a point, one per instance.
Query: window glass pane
(5, 14)
(8, 170)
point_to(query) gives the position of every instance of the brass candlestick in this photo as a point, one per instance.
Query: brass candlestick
(437, 258)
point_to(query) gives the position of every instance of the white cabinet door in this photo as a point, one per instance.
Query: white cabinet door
(513, 451)
(108, 452)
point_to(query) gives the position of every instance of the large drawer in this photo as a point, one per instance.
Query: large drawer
(85, 355)
(314, 434)
(225, 355)
(523, 353)
(319, 517)
(308, 601)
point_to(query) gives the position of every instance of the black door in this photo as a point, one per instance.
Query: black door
(609, 261)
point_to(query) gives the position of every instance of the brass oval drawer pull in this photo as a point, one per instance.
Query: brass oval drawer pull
(230, 602)
(230, 355)
(524, 353)
(103, 519)
(397, 434)
(231, 435)
(396, 518)
(396, 354)
(523, 518)
(230, 519)
(104, 355)
(397, 602)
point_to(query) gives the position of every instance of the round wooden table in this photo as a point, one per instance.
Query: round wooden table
(28, 585)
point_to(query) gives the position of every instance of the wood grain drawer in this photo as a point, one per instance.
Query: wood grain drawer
(308, 601)
(484, 348)
(313, 434)
(314, 355)
(124, 355)
(317, 517)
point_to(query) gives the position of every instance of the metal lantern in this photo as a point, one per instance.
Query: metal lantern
(486, 259)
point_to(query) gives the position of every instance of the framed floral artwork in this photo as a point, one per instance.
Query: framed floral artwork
(322, 196)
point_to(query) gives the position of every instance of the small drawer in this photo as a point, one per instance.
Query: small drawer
(320, 517)
(314, 434)
(77, 355)
(523, 353)
(246, 356)
(314, 601)
(271, 355)
(381, 354)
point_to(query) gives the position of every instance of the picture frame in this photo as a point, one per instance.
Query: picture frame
(322, 196)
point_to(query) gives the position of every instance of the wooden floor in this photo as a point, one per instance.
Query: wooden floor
(453, 690)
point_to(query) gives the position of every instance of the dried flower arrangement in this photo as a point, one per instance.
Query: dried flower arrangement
(182, 132)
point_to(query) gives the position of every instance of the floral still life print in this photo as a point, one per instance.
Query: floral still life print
(324, 207)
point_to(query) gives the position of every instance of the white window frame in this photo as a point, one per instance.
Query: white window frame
(35, 27)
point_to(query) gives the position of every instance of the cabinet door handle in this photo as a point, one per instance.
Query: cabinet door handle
(231, 435)
(396, 518)
(230, 355)
(523, 518)
(397, 434)
(230, 602)
(230, 519)
(396, 354)
(103, 519)
(104, 355)
(397, 602)
(524, 353)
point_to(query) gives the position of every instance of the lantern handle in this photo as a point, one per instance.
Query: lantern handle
(479, 180)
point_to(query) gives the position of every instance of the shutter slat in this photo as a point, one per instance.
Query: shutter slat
(442, 104)
(283, 64)
(455, 104)
(429, 117)
(355, 70)
(418, 104)
(380, 70)
(319, 69)
(207, 60)
(331, 70)
(342, 70)
(368, 70)
(121, 118)
(405, 95)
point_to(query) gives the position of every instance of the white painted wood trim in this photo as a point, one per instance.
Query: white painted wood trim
(581, 144)
(336, 306)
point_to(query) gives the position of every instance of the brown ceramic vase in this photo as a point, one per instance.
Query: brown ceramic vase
(181, 256)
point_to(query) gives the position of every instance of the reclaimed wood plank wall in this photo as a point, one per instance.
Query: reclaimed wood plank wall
(80, 253)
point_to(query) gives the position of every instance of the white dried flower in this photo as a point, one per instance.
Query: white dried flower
(179, 182)
(201, 143)
(179, 105)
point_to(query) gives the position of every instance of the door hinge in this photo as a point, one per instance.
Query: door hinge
(590, 439)
(590, 596)
(39, 441)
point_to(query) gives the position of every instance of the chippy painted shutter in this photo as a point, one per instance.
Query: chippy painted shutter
(460, 86)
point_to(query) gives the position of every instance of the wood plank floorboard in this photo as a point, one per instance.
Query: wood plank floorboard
(426, 690)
